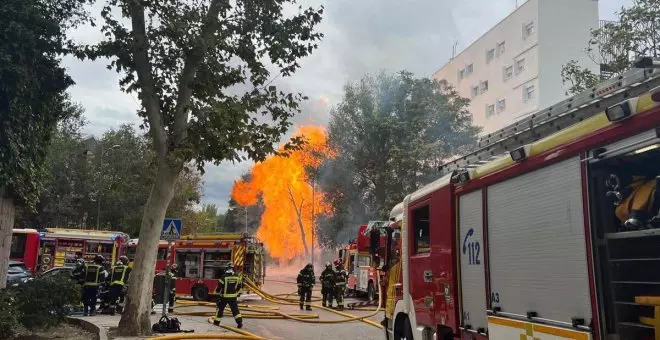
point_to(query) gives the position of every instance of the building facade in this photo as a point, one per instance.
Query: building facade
(515, 68)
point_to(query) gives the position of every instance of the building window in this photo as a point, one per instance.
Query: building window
(475, 91)
(490, 55)
(501, 48)
(501, 105)
(528, 93)
(490, 110)
(421, 226)
(483, 87)
(528, 30)
(469, 69)
(508, 72)
(461, 74)
(520, 66)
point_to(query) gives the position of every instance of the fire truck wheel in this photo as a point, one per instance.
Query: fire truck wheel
(405, 331)
(200, 293)
(371, 292)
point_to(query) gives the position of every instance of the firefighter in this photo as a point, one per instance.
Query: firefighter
(306, 282)
(118, 279)
(327, 279)
(78, 273)
(93, 276)
(172, 295)
(340, 283)
(228, 287)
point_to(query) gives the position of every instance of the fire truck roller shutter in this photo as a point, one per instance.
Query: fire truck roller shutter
(471, 250)
(538, 259)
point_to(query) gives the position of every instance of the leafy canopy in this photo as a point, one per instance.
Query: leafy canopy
(32, 89)
(202, 67)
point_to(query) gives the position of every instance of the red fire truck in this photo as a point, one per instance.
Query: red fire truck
(25, 247)
(201, 260)
(60, 245)
(549, 230)
(358, 261)
(161, 258)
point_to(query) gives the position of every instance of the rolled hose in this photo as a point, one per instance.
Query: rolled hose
(349, 317)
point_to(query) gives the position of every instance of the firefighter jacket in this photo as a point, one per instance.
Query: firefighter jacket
(327, 278)
(640, 201)
(94, 275)
(340, 277)
(306, 278)
(78, 273)
(229, 286)
(119, 275)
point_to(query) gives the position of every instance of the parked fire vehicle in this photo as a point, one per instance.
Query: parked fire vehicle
(59, 246)
(161, 257)
(550, 230)
(202, 259)
(25, 247)
(358, 261)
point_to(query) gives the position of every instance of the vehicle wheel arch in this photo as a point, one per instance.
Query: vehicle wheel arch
(200, 292)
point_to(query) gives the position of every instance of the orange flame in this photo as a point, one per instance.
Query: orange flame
(287, 195)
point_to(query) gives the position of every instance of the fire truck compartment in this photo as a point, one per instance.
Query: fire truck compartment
(627, 257)
(536, 242)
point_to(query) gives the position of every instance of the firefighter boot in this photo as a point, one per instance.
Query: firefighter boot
(239, 322)
(301, 306)
(217, 322)
(309, 308)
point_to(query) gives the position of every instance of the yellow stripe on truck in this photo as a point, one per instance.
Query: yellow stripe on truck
(529, 330)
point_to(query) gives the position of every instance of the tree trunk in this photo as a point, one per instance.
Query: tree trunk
(300, 221)
(7, 213)
(135, 321)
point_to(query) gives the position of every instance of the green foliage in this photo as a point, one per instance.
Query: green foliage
(8, 320)
(390, 132)
(186, 59)
(32, 88)
(72, 185)
(616, 45)
(36, 305)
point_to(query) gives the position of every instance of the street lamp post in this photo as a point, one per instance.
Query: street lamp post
(98, 196)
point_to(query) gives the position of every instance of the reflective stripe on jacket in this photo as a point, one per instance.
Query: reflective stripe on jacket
(229, 286)
(92, 275)
(119, 275)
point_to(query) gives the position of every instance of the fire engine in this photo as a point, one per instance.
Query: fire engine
(549, 230)
(357, 261)
(202, 259)
(25, 247)
(60, 245)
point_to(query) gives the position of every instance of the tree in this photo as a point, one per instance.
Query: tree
(182, 59)
(390, 133)
(616, 45)
(32, 101)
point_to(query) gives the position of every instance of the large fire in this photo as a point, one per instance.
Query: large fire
(286, 191)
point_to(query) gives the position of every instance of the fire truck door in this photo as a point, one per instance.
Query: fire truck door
(471, 252)
(422, 289)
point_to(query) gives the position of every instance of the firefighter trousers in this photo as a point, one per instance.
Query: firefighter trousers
(339, 296)
(233, 305)
(172, 298)
(306, 298)
(115, 294)
(327, 294)
(89, 294)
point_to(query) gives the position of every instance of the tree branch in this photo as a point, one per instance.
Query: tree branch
(191, 65)
(143, 68)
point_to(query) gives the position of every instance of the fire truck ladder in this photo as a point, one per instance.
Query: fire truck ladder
(641, 79)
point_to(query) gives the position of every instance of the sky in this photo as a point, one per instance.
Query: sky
(361, 37)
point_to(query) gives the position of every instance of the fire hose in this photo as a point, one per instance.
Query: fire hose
(240, 334)
(349, 317)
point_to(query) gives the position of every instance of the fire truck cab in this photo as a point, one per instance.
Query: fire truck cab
(550, 230)
(202, 260)
(359, 261)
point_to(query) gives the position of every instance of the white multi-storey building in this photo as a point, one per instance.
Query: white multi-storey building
(515, 68)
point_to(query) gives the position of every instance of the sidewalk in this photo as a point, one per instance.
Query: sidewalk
(107, 322)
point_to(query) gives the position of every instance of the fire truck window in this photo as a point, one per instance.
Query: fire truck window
(17, 245)
(162, 253)
(421, 228)
(130, 252)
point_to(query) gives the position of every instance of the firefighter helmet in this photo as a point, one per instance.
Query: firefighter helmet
(328, 264)
(99, 259)
(230, 265)
(118, 263)
(173, 266)
(123, 259)
(309, 266)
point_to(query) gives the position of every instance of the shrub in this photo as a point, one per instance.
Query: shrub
(45, 302)
(8, 320)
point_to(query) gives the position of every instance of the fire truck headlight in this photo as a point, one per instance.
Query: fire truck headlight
(619, 111)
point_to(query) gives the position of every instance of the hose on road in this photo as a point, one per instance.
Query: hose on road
(349, 317)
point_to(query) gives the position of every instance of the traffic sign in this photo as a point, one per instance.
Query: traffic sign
(171, 229)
